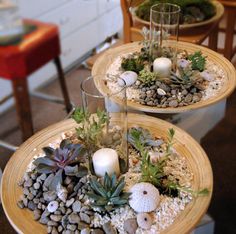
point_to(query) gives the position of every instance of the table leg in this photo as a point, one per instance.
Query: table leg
(62, 81)
(21, 94)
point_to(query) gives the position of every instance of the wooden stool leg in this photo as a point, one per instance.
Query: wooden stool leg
(229, 33)
(21, 94)
(213, 38)
(61, 76)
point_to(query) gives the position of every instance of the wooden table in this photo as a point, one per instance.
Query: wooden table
(22, 219)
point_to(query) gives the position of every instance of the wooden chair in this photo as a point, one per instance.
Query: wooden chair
(17, 62)
(230, 13)
(132, 30)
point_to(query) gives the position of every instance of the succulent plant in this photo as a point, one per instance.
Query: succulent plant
(198, 61)
(90, 128)
(108, 194)
(65, 158)
(60, 157)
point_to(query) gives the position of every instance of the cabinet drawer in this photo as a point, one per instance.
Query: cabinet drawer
(79, 43)
(107, 5)
(34, 8)
(72, 15)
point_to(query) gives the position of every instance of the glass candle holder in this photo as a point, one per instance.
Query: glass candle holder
(112, 103)
(164, 28)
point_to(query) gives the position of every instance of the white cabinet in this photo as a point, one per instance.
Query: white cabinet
(72, 16)
(83, 25)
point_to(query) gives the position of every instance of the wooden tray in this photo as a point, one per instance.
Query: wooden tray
(219, 13)
(105, 60)
(22, 219)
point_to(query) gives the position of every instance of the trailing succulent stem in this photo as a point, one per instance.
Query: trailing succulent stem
(108, 194)
(154, 172)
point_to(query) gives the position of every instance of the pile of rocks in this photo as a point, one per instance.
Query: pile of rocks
(162, 95)
(69, 215)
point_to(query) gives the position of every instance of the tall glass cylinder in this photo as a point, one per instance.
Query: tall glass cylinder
(164, 29)
(112, 103)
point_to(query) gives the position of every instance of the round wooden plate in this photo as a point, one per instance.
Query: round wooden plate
(219, 13)
(22, 219)
(106, 59)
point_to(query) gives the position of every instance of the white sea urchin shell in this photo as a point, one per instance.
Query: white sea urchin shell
(144, 198)
(144, 220)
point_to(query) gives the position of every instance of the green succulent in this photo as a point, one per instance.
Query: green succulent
(108, 194)
(91, 128)
(198, 61)
(134, 62)
(147, 77)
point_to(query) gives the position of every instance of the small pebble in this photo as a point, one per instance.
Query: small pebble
(76, 206)
(37, 214)
(173, 103)
(69, 202)
(130, 226)
(56, 218)
(20, 204)
(52, 223)
(36, 185)
(84, 217)
(71, 227)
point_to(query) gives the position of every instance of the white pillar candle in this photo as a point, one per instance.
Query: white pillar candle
(162, 66)
(106, 160)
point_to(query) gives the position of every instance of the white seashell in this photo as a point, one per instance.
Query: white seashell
(144, 221)
(162, 66)
(144, 198)
(207, 76)
(161, 92)
(62, 193)
(52, 206)
(129, 77)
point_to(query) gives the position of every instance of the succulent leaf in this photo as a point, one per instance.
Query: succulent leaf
(57, 179)
(109, 193)
(49, 151)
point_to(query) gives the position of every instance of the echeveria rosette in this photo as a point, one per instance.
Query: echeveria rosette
(59, 158)
(64, 159)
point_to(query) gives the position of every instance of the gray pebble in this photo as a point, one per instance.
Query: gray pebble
(68, 211)
(26, 191)
(56, 218)
(184, 92)
(108, 229)
(20, 204)
(57, 212)
(25, 201)
(84, 217)
(67, 180)
(37, 214)
(31, 205)
(33, 176)
(49, 196)
(30, 196)
(78, 186)
(59, 228)
(70, 202)
(44, 220)
(36, 201)
(84, 180)
(76, 206)
(62, 209)
(130, 226)
(54, 230)
(46, 213)
(64, 221)
(52, 223)
(36, 185)
(97, 231)
(73, 218)
(82, 225)
(71, 227)
(173, 103)
(49, 229)
(42, 177)
(85, 231)
(28, 183)
(188, 98)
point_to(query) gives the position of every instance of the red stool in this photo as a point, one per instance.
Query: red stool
(19, 61)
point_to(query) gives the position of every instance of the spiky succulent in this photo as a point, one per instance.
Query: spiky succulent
(108, 194)
(198, 61)
(64, 159)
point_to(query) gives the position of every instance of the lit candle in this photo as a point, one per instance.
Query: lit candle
(162, 66)
(106, 160)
